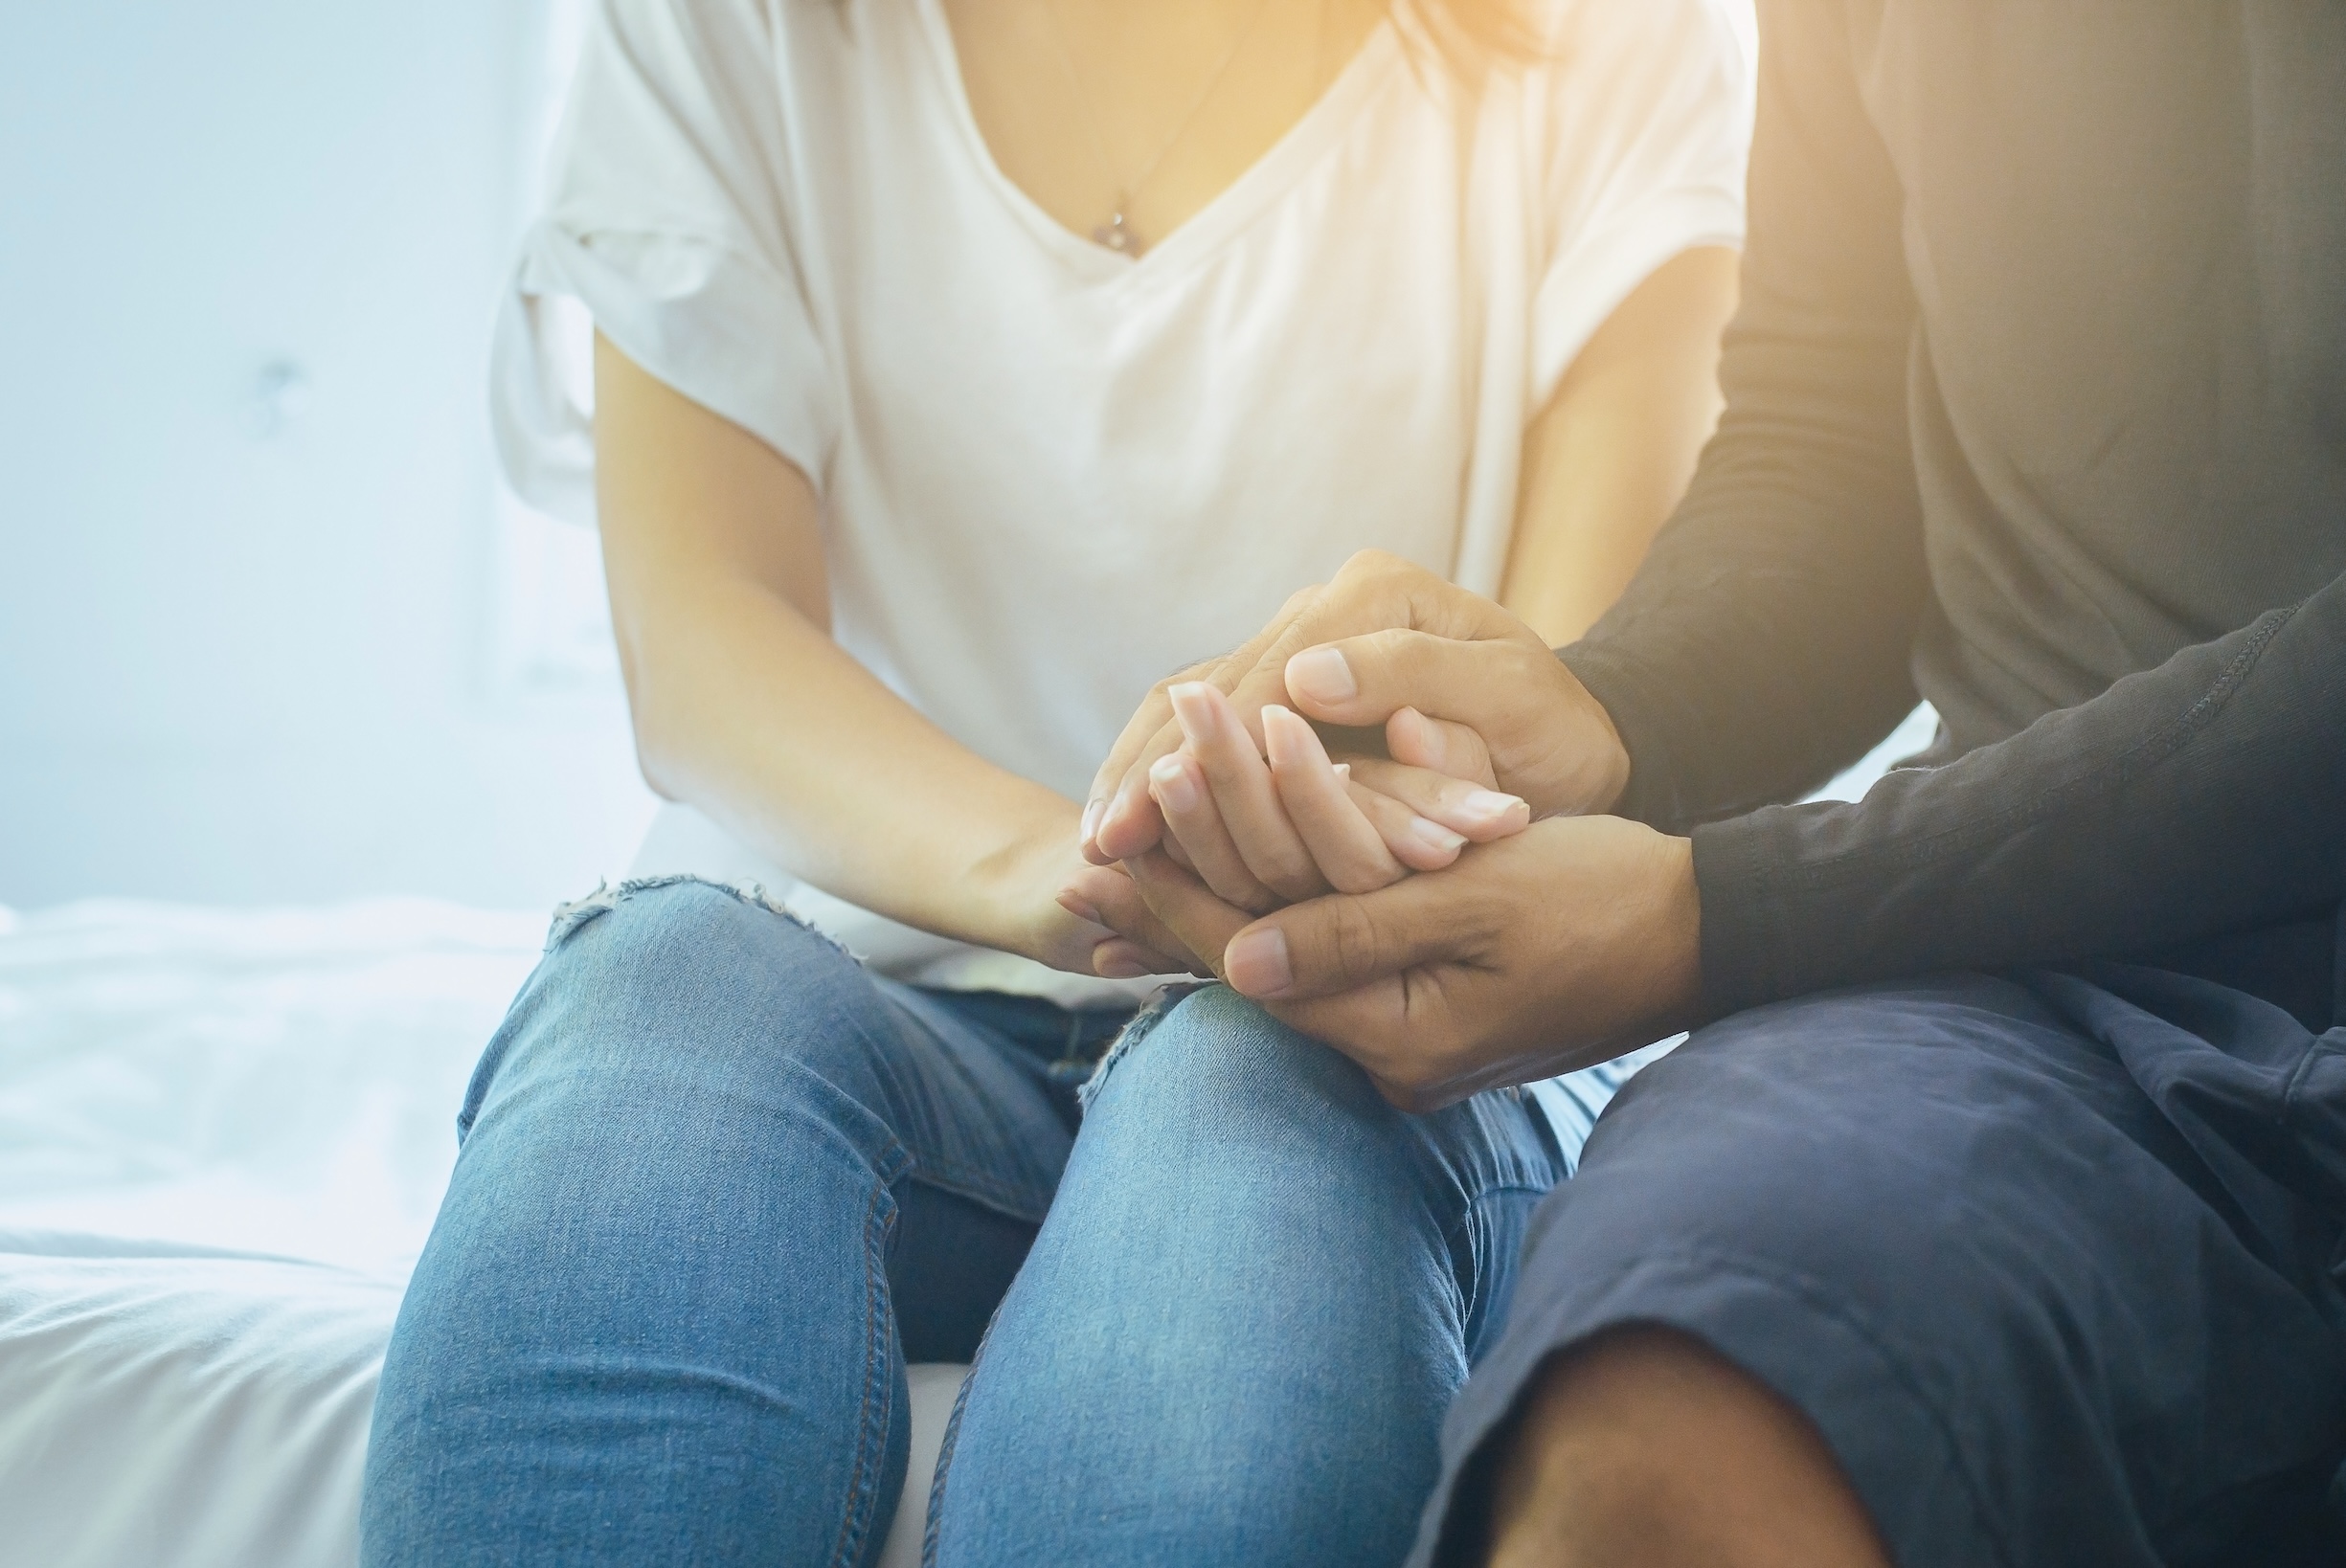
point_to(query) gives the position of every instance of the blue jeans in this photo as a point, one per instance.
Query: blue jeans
(718, 1183)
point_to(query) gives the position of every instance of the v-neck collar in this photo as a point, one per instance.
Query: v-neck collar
(1263, 181)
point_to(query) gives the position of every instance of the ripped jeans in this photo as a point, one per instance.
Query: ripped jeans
(718, 1183)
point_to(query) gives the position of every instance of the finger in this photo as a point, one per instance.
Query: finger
(1151, 720)
(1345, 846)
(1140, 943)
(1438, 746)
(1365, 679)
(1466, 809)
(1374, 590)
(1348, 940)
(1128, 823)
(1120, 781)
(1415, 841)
(1188, 907)
(1173, 848)
(1195, 828)
(1244, 794)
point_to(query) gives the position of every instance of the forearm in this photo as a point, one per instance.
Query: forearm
(755, 717)
(746, 710)
(1611, 454)
(1765, 642)
(2205, 797)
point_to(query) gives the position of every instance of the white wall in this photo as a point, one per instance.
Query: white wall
(261, 647)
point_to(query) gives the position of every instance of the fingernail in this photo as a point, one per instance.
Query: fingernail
(1490, 806)
(1195, 713)
(1322, 676)
(1080, 908)
(1257, 962)
(1169, 781)
(1343, 770)
(1435, 836)
(1279, 740)
(1091, 821)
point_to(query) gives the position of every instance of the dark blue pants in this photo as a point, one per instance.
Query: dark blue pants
(2049, 1259)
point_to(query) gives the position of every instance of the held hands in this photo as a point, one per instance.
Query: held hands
(1563, 946)
(1530, 952)
(1460, 687)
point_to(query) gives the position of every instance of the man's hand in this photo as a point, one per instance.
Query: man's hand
(1564, 945)
(1460, 687)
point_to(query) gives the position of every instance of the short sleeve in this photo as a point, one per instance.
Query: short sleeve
(665, 219)
(1645, 120)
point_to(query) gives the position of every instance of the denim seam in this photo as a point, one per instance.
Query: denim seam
(934, 1516)
(570, 916)
(878, 1322)
(960, 1180)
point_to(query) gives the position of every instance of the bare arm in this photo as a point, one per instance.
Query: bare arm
(1607, 460)
(745, 708)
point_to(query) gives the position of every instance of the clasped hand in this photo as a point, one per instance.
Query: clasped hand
(1451, 914)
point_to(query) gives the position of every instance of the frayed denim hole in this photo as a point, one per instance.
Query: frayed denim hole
(570, 916)
(1159, 1008)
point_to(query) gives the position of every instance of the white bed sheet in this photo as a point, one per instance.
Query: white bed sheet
(222, 1139)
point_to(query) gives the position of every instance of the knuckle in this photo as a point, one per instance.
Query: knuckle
(1293, 879)
(1353, 940)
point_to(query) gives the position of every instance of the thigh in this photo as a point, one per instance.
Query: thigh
(1949, 1223)
(1258, 1288)
(678, 1014)
(661, 1277)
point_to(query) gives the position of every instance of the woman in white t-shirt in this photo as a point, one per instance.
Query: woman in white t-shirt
(962, 367)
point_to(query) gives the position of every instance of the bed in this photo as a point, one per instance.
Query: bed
(222, 1139)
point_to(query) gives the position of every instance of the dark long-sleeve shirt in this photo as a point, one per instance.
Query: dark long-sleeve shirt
(2037, 407)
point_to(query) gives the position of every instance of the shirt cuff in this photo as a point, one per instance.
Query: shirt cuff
(1636, 711)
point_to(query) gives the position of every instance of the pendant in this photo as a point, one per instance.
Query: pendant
(1117, 235)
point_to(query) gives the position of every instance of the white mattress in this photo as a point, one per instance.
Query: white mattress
(222, 1139)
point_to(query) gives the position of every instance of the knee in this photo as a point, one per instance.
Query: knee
(1216, 1059)
(1216, 1109)
(673, 974)
(1645, 1445)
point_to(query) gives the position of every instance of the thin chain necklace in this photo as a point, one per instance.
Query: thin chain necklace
(1116, 233)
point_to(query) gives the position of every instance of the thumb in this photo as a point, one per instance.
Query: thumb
(1363, 680)
(1344, 941)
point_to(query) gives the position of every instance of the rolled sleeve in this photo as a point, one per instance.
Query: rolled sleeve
(668, 224)
(1671, 88)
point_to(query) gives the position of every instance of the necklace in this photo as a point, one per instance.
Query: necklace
(1116, 233)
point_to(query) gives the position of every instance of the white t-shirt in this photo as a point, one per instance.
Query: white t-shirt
(1051, 474)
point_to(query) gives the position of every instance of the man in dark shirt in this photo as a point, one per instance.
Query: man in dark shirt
(1991, 1213)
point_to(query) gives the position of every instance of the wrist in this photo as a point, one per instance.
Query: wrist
(1600, 772)
(1606, 779)
(1006, 896)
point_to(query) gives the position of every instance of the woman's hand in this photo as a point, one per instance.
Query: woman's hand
(1024, 890)
(1291, 822)
(1265, 830)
